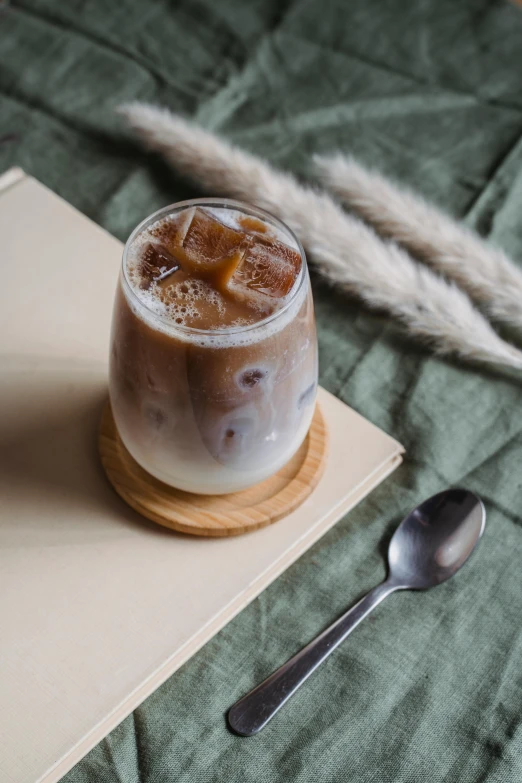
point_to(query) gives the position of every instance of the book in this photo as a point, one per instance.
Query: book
(97, 605)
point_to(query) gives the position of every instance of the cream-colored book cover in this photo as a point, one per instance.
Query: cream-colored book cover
(97, 605)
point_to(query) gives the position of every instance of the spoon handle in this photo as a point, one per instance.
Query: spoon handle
(251, 713)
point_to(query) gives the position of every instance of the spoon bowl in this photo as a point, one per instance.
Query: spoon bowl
(436, 539)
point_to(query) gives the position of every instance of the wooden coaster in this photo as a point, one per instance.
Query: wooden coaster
(214, 515)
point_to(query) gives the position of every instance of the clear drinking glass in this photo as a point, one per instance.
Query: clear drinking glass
(218, 410)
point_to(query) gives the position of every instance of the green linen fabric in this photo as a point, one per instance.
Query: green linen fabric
(429, 688)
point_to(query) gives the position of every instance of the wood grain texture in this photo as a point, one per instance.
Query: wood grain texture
(214, 515)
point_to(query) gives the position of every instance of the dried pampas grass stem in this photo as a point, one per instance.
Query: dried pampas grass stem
(485, 272)
(343, 248)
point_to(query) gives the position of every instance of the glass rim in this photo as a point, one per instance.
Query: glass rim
(227, 203)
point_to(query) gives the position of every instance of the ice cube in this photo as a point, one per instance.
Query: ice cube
(156, 263)
(249, 379)
(208, 240)
(268, 267)
(232, 437)
(210, 250)
(155, 416)
(253, 225)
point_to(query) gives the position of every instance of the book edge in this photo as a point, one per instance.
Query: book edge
(11, 177)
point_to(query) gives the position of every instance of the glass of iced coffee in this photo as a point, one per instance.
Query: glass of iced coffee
(213, 365)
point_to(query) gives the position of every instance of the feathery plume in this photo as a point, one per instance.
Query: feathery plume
(485, 272)
(342, 247)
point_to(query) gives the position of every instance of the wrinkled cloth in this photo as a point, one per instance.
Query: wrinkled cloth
(430, 687)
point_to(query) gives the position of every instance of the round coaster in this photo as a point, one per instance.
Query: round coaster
(214, 515)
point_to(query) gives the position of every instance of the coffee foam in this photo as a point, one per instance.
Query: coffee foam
(187, 294)
(147, 303)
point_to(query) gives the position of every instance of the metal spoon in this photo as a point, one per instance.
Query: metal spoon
(428, 547)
